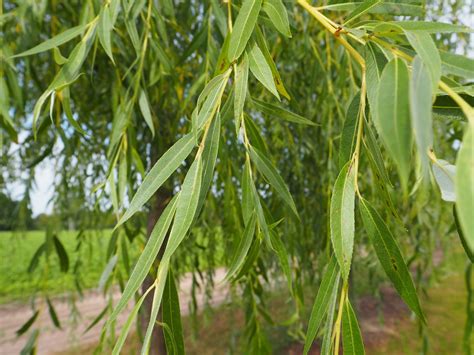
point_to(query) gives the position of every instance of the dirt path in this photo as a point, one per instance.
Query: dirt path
(53, 340)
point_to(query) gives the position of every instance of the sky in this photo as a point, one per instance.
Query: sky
(43, 192)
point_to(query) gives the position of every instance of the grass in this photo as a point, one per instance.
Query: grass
(445, 309)
(18, 248)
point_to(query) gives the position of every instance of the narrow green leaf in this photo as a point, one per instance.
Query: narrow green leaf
(211, 87)
(128, 324)
(186, 207)
(66, 104)
(53, 314)
(240, 93)
(132, 31)
(38, 107)
(467, 249)
(122, 178)
(426, 49)
(282, 257)
(375, 155)
(385, 7)
(30, 346)
(125, 256)
(62, 254)
(5, 120)
(243, 247)
(36, 256)
(56, 41)
(329, 283)
(254, 135)
(244, 25)
(105, 31)
(262, 221)
(7, 124)
(360, 10)
(375, 62)
(172, 317)
(145, 110)
(445, 175)
(163, 57)
(266, 168)
(262, 44)
(349, 132)
(250, 260)
(390, 257)
(223, 63)
(213, 94)
(351, 336)
(281, 113)
(465, 186)
(209, 157)
(109, 267)
(97, 319)
(171, 348)
(58, 57)
(457, 65)
(70, 71)
(431, 27)
(247, 200)
(341, 218)
(260, 69)
(68, 74)
(421, 111)
(276, 11)
(147, 257)
(382, 181)
(326, 345)
(160, 172)
(157, 298)
(27, 325)
(393, 117)
(220, 16)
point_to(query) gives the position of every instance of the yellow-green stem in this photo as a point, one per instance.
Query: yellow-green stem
(335, 30)
(337, 325)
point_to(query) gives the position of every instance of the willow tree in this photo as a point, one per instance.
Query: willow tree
(261, 127)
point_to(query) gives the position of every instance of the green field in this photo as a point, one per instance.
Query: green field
(18, 248)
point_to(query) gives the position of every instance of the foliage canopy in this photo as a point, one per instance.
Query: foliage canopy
(292, 135)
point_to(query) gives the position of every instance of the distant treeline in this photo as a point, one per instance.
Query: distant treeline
(17, 215)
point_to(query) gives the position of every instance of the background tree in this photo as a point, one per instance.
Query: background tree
(14, 214)
(216, 112)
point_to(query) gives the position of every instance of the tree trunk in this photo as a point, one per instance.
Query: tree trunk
(157, 344)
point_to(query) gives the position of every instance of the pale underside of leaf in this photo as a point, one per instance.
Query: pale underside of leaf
(421, 110)
(160, 172)
(393, 117)
(342, 218)
(465, 186)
